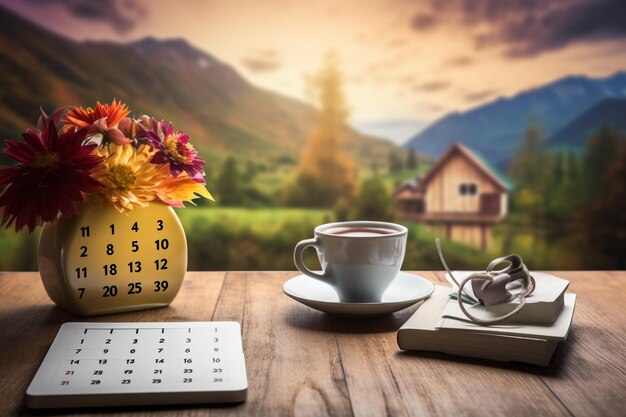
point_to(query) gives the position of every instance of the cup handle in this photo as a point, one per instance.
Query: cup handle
(297, 258)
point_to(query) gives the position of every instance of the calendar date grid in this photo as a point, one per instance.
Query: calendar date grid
(146, 358)
(151, 274)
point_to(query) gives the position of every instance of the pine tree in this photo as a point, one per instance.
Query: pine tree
(411, 160)
(602, 224)
(602, 151)
(395, 162)
(531, 171)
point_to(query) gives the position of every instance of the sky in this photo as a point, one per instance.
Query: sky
(405, 63)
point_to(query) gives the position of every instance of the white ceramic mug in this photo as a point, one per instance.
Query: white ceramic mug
(359, 259)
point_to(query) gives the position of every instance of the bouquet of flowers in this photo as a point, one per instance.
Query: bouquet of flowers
(97, 156)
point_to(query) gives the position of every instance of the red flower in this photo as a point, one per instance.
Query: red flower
(112, 113)
(53, 176)
(104, 120)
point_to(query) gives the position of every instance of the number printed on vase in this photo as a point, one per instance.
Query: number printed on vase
(124, 261)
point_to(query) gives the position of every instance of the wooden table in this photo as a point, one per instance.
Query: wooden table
(302, 362)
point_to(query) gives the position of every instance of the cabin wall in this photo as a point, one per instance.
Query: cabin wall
(504, 204)
(442, 194)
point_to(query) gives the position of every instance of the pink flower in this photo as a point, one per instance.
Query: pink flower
(173, 148)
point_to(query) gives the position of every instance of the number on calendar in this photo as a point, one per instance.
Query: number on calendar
(134, 288)
(110, 269)
(109, 291)
(81, 272)
(162, 244)
(134, 267)
(160, 265)
(160, 286)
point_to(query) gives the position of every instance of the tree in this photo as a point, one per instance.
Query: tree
(602, 151)
(395, 162)
(374, 201)
(411, 160)
(602, 224)
(325, 174)
(530, 170)
(228, 186)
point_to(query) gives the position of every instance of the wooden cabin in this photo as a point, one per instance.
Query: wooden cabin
(461, 197)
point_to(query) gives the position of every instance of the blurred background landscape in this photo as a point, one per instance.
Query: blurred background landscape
(310, 113)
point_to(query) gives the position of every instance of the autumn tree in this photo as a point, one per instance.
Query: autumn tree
(325, 175)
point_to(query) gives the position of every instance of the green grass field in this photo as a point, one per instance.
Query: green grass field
(228, 238)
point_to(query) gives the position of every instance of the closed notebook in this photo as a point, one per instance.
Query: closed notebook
(420, 332)
(542, 307)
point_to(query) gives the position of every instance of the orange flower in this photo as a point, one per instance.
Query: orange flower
(113, 113)
(175, 191)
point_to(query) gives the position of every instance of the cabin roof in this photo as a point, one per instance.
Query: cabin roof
(491, 172)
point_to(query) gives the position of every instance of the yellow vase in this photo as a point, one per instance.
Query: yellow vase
(103, 261)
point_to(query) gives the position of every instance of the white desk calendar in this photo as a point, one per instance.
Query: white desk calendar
(120, 364)
(103, 261)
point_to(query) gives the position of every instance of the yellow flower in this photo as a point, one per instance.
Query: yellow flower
(130, 179)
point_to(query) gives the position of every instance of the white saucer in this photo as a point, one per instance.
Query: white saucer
(405, 290)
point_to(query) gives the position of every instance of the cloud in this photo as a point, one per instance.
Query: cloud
(532, 27)
(423, 21)
(262, 60)
(122, 15)
(459, 61)
(478, 95)
(431, 86)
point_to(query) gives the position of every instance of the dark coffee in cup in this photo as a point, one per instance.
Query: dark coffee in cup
(360, 231)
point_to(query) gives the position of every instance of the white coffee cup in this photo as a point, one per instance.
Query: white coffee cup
(359, 259)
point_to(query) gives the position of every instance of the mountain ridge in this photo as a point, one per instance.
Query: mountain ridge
(495, 129)
(573, 136)
(172, 79)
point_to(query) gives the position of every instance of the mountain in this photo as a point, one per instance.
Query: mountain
(395, 130)
(223, 113)
(610, 112)
(496, 129)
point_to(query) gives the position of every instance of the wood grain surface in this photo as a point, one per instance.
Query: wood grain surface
(302, 362)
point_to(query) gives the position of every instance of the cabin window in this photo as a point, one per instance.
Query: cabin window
(468, 188)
